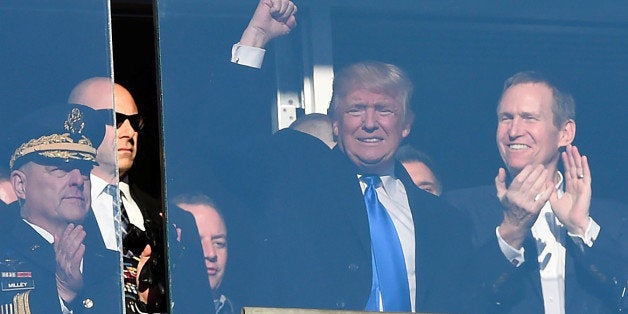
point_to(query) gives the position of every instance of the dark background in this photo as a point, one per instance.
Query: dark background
(457, 54)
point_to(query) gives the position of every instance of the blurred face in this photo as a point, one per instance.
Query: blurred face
(213, 233)
(127, 135)
(369, 128)
(7, 195)
(422, 177)
(526, 134)
(53, 196)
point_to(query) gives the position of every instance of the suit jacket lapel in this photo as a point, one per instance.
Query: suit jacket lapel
(532, 264)
(352, 203)
(422, 244)
(99, 263)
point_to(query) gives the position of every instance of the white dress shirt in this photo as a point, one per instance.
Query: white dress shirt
(247, 55)
(132, 210)
(392, 194)
(102, 205)
(549, 234)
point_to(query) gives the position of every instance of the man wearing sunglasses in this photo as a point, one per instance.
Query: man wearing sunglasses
(129, 124)
(141, 216)
(140, 220)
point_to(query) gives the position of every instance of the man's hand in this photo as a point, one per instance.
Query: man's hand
(144, 257)
(69, 251)
(522, 201)
(573, 208)
(272, 18)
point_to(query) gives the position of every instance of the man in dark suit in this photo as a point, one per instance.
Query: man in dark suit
(53, 259)
(212, 229)
(561, 252)
(421, 169)
(142, 239)
(141, 216)
(315, 246)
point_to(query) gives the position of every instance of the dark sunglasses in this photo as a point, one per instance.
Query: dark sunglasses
(137, 121)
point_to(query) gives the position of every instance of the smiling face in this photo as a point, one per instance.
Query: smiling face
(526, 133)
(369, 127)
(53, 196)
(127, 136)
(213, 234)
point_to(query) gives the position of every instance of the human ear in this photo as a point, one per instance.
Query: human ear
(568, 133)
(18, 181)
(334, 125)
(406, 130)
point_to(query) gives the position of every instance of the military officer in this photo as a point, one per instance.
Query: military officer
(52, 258)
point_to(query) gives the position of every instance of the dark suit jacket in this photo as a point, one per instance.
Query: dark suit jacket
(313, 249)
(594, 278)
(189, 286)
(186, 274)
(151, 209)
(24, 250)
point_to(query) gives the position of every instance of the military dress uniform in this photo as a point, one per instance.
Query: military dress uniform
(65, 135)
(27, 268)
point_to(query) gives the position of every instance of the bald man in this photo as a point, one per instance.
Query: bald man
(141, 221)
(142, 243)
(317, 125)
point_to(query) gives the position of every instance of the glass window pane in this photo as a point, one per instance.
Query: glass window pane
(47, 49)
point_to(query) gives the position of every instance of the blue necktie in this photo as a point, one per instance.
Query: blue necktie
(390, 277)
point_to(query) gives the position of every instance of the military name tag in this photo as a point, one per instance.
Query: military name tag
(17, 280)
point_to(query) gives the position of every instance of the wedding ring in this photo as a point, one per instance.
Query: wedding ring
(537, 197)
(580, 176)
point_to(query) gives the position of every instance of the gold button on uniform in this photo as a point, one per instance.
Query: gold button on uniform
(88, 303)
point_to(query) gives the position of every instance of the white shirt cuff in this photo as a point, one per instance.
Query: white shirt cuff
(247, 55)
(513, 255)
(593, 230)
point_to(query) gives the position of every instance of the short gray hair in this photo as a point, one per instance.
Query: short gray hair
(564, 106)
(374, 76)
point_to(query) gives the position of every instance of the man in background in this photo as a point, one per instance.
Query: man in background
(141, 216)
(7, 195)
(317, 125)
(141, 223)
(420, 168)
(213, 233)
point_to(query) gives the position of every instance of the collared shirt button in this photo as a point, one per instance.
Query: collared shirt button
(341, 304)
(353, 267)
(88, 303)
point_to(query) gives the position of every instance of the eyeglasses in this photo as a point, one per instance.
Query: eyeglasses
(137, 121)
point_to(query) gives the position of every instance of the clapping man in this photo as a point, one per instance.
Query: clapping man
(53, 258)
(561, 251)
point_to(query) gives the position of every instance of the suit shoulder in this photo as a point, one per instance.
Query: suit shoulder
(467, 197)
(610, 214)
